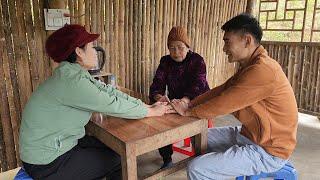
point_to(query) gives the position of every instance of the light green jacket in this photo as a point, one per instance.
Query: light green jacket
(54, 118)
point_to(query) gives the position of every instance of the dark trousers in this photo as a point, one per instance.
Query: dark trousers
(89, 159)
(166, 151)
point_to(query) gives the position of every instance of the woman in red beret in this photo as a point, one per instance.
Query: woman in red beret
(53, 144)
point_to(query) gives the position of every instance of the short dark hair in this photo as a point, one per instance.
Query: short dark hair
(244, 23)
(72, 58)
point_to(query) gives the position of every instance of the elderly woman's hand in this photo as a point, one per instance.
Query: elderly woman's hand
(161, 98)
(186, 100)
(171, 110)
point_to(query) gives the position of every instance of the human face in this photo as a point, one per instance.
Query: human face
(87, 57)
(178, 50)
(236, 47)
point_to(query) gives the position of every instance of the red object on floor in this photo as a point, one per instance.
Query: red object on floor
(187, 143)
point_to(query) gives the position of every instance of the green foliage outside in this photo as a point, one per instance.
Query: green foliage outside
(281, 21)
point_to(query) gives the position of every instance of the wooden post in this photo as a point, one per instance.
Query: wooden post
(81, 11)
(250, 6)
(56, 4)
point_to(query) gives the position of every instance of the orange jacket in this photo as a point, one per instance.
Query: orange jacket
(261, 97)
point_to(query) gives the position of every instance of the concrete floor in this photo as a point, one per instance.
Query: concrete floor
(306, 157)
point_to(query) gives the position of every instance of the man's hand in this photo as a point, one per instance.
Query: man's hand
(181, 107)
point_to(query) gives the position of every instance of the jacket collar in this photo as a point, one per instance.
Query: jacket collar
(252, 60)
(258, 51)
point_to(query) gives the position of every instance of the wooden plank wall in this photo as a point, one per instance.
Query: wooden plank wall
(301, 64)
(134, 33)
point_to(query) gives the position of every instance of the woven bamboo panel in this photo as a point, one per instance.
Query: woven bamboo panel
(301, 64)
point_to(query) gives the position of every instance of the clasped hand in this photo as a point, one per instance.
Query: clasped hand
(179, 106)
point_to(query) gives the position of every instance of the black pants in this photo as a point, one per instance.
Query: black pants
(88, 160)
(166, 151)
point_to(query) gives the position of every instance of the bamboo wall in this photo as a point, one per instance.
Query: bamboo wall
(133, 32)
(301, 64)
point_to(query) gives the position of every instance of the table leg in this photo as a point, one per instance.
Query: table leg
(129, 164)
(201, 140)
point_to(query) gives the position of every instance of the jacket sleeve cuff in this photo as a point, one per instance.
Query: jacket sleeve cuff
(193, 112)
(199, 112)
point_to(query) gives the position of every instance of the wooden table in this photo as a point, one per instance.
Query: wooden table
(131, 138)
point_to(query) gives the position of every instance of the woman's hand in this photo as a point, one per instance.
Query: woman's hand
(158, 109)
(147, 105)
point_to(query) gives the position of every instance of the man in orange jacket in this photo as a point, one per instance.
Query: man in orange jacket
(260, 96)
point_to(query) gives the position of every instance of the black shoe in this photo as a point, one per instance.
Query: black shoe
(167, 164)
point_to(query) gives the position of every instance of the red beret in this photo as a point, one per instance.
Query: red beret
(65, 40)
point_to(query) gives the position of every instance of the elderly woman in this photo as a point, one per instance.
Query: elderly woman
(53, 144)
(183, 72)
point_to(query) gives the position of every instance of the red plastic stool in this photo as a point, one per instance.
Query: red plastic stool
(187, 143)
